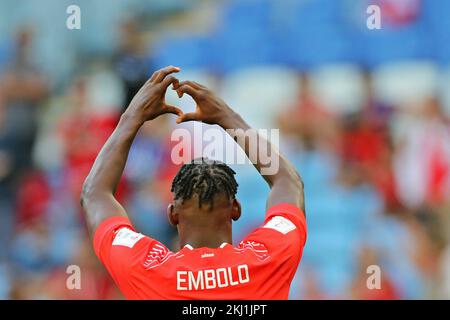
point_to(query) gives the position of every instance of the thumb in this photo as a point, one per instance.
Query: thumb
(192, 116)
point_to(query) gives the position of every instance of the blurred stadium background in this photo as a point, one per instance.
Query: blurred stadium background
(363, 113)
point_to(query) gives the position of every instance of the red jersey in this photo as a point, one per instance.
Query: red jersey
(262, 266)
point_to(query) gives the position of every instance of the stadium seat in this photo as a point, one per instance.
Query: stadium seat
(5, 54)
(5, 282)
(339, 88)
(243, 13)
(444, 93)
(237, 48)
(383, 46)
(436, 21)
(312, 47)
(405, 83)
(254, 89)
(186, 51)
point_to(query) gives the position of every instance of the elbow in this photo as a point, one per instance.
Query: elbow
(291, 174)
(298, 184)
(298, 180)
(83, 196)
(86, 193)
(91, 192)
(299, 190)
(288, 173)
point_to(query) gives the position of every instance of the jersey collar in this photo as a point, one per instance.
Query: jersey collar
(188, 246)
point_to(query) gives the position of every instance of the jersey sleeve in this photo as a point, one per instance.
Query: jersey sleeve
(124, 252)
(281, 238)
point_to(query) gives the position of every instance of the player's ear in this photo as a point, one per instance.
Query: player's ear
(235, 210)
(171, 215)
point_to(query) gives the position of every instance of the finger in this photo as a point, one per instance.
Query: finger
(194, 93)
(164, 72)
(168, 81)
(192, 84)
(153, 77)
(192, 116)
(179, 93)
(147, 83)
(172, 109)
(200, 86)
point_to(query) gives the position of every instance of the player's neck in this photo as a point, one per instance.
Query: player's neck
(206, 239)
(203, 228)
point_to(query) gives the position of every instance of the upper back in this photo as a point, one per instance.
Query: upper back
(262, 266)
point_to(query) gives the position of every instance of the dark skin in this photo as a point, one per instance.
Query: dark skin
(196, 226)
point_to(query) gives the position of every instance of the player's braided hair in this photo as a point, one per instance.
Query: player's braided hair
(206, 178)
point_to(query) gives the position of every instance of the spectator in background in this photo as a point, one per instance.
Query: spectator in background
(309, 121)
(422, 160)
(83, 131)
(24, 88)
(130, 61)
(6, 185)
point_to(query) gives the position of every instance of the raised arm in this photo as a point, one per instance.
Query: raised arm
(286, 184)
(97, 197)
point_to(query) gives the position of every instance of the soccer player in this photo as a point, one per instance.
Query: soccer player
(208, 266)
